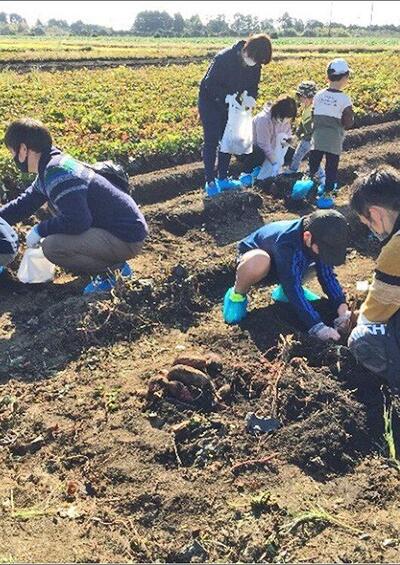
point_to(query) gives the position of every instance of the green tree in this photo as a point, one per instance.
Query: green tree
(178, 24)
(38, 28)
(286, 21)
(150, 22)
(245, 24)
(15, 19)
(218, 26)
(194, 27)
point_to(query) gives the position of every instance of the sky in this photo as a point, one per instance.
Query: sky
(120, 15)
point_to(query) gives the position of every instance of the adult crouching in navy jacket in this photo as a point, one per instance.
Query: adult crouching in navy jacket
(96, 227)
(234, 70)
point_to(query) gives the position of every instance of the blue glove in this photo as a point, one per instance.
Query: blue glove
(33, 237)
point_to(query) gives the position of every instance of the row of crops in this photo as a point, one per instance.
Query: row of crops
(14, 49)
(152, 111)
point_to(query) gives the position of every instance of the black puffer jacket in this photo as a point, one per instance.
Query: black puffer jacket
(228, 74)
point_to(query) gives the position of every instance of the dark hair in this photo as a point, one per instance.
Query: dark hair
(29, 131)
(333, 77)
(259, 48)
(284, 108)
(381, 187)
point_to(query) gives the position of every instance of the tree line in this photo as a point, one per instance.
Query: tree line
(154, 23)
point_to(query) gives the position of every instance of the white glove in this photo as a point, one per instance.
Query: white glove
(341, 323)
(248, 101)
(231, 100)
(324, 333)
(33, 237)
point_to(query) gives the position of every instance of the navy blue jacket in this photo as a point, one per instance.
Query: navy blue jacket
(283, 241)
(228, 74)
(81, 198)
(8, 239)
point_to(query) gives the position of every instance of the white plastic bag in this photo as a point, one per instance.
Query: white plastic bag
(35, 268)
(281, 147)
(238, 134)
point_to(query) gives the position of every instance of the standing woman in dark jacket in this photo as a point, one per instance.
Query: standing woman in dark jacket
(234, 70)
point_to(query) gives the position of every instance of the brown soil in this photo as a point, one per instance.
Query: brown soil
(94, 469)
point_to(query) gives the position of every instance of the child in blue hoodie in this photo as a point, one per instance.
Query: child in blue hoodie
(283, 252)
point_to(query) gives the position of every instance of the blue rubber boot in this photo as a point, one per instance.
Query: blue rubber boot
(211, 189)
(228, 184)
(301, 188)
(255, 172)
(279, 295)
(104, 283)
(325, 202)
(247, 180)
(2, 270)
(235, 307)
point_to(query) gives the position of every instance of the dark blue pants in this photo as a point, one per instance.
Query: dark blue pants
(213, 118)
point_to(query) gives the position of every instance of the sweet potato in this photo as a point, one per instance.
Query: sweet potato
(156, 385)
(179, 391)
(201, 362)
(190, 376)
(194, 361)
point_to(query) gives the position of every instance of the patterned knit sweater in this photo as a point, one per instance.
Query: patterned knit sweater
(81, 199)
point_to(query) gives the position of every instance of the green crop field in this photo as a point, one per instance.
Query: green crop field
(151, 112)
(20, 49)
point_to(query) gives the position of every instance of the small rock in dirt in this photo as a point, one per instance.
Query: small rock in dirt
(71, 512)
(72, 489)
(225, 392)
(193, 553)
(256, 425)
(390, 543)
(180, 272)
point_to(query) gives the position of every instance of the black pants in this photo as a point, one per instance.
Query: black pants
(214, 118)
(254, 159)
(331, 167)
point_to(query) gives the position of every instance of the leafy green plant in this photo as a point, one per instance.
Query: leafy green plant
(263, 502)
(319, 516)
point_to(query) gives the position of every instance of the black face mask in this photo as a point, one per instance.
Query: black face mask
(23, 167)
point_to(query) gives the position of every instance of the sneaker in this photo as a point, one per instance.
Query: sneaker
(246, 179)
(235, 307)
(104, 283)
(301, 188)
(211, 189)
(325, 202)
(279, 295)
(228, 184)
